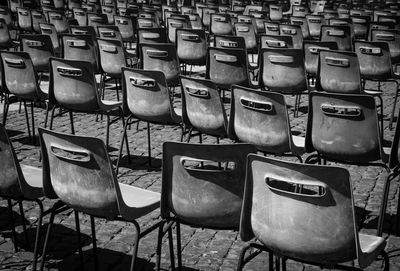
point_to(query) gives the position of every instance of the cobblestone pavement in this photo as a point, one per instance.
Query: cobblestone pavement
(203, 249)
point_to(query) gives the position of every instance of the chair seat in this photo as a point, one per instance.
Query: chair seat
(107, 105)
(299, 141)
(33, 176)
(373, 92)
(370, 246)
(138, 201)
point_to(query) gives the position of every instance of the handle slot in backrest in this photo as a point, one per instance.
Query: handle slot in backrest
(156, 53)
(244, 20)
(370, 50)
(47, 30)
(70, 154)
(359, 20)
(79, 13)
(242, 29)
(190, 37)
(276, 43)
(142, 82)
(37, 16)
(80, 32)
(257, 105)
(151, 36)
(69, 72)
(15, 62)
(309, 189)
(225, 58)
(277, 59)
(228, 44)
(97, 19)
(220, 19)
(56, 17)
(34, 43)
(297, 22)
(341, 110)
(385, 37)
(122, 21)
(317, 49)
(315, 21)
(194, 164)
(76, 43)
(146, 24)
(176, 25)
(289, 31)
(272, 28)
(198, 92)
(339, 62)
(108, 34)
(109, 48)
(335, 33)
(23, 12)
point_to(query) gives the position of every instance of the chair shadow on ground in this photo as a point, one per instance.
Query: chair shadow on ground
(138, 162)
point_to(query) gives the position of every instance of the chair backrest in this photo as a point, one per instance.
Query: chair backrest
(146, 95)
(314, 225)
(161, 57)
(80, 47)
(206, 18)
(173, 24)
(341, 34)
(37, 18)
(59, 21)
(151, 35)
(73, 85)
(338, 71)
(195, 21)
(282, 70)
(5, 37)
(24, 17)
(314, 25)
(295, 32)
(225, 41)
(275, 12)
(191, 46)
(112, 57)
(302, 22)
(221, 24)
(83, 30)
(109, 32)
(392, 37)
(330, 118)
(50, 30)
(260, 118)
(394, 159)
(19, 76)
(126, 27)
(276, 41)
(147, 23)
(207, 195)
(300, 11)
(40, 49)
(271, 28)
(247, 31)
(78, 171)
(6, 14)
(311, 54)
(374, 59)
(202, 107)
(227, 66)
(96, 19)
(109, 11)
(80, 16)
(360, 26)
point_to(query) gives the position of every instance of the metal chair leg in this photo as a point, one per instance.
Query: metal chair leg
(136, 245)
(71, 118)
(95, 254)
(27, 120)
(37, 238)
(46, 241)
(178, 245)
(124, 137)
(385, 196)
(22, 213)
(78, 234)
(11, 215)
(171, 248)
(33, 124)
(148, 143)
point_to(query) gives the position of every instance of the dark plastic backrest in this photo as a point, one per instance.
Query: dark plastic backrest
(276, 41)
(314, 225)
(221, 24)
(247, 31)
(83, 30)
(223, 41)
(5, 38)
(59, 21)
(173, 24)
(112, 57)
(195, 21)
(40, 49)
(260, 118)
(282, 70)
(360, 26)
(374, 59)
(227, 66)
(207, 197)
(338, 71)
(331, 118)
(314, 25)
(394, 160)
(110, 32)
(73, 85)
(96, 19)
(146, 95)
(392, 37)
(78, 171)
(50, 30)
(271, 28)
(302, 22)
(152, 35)
(275, 12)
(126, 27)
(295, 32)
(18, 75)
(206, 15)
(161, 57)
(311, 53)
(24, 19)
(341, 34)
(202, 107)
(109, 11)
(80, 47)
(191, 46)
(37, 18)
(80, 16)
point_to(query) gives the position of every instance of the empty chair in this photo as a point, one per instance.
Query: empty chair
(78, 171)
(195, 21)
(315, 224)
(6, 42)
(20, 79)
(221, 24)
(272, 41)
(110, 11)
(83, 30)
(202, 108)
(191, 46)
(73, 88)
(247, 31)
(206, 15)
(40, 49)
(275, 12)
(37, 18)
(161, 57)
(59, 21)
(80, 16)
(146, 97)
(295, 32)
(360, 26)
(261, 118)
(174, 23)
(314, 25)
(24, 19)
(50, 30)
(96, 19)
(338, 33)
(126, 28)
(392, 37)
(202, 186)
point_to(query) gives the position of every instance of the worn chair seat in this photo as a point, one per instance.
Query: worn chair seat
(33, 177)
(370, 247)
(299, 141)
(138, 200)
(107, 105)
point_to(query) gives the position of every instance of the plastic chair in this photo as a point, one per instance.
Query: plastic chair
(247, 31)
(20, 79)
(78, 171)
(360, 26)
(206, 15)
(392, 37)
(191, 47)
(220, 24)
(271, 28)
(275, 12)
(195, 21)
(6, 42)
(302, 22)
(311, 58)
(202, 186)
(37, 18)
(161, 57)
(173, 24)
(282, 70)
(295, 32)
(80, 16)
(272, 41)
(96, 19)
(20, 183)
(261, 118)
(50, 30)
(59, 21)
(83, 30)
(314, 25)
(24, 20)
(147, 23)
(146, 97)
(228, 41)
(375, 65)
(40, 49)
(126, 28)
(73, 88)
(202, 108)
(338, 33)
(315, 224)
(110, 11)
